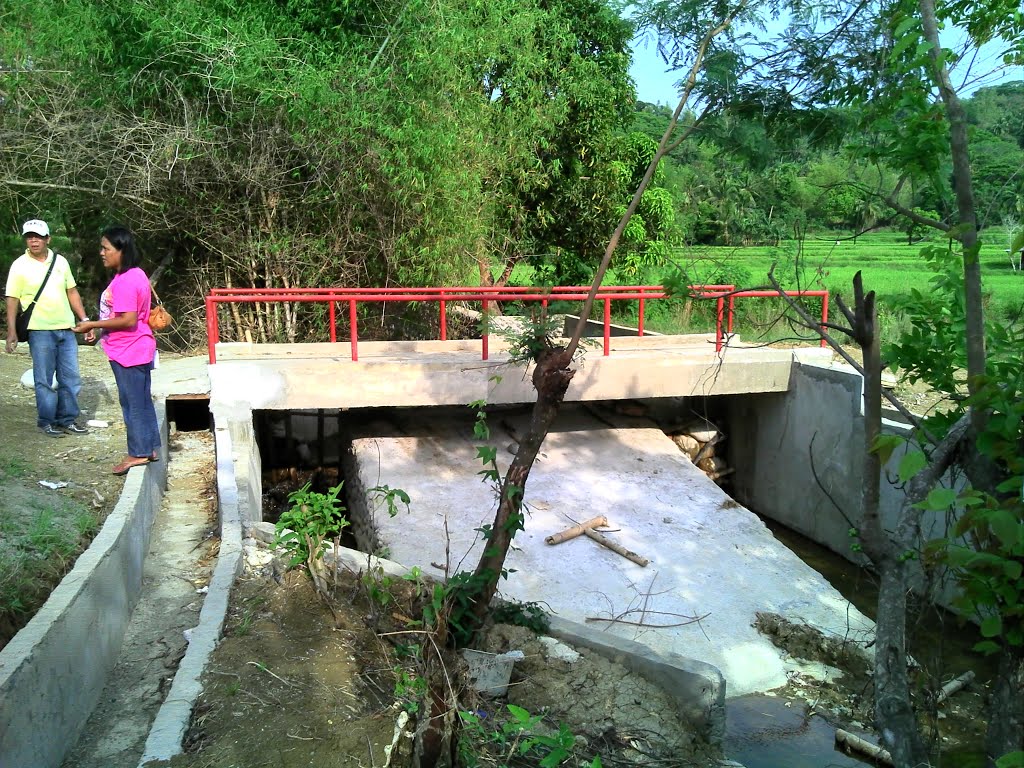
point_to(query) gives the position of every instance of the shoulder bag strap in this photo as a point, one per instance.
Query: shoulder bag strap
(45, 279)
(155, 295)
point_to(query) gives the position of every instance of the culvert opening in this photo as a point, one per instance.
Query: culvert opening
(189, 414)
(300, 447)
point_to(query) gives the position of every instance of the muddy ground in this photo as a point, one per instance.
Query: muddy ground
(296, 682)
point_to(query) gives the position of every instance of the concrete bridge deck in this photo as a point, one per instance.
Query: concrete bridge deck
(425, 373)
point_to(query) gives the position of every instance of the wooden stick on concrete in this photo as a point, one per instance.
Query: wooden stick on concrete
(577, 530)
(857, 744)
(617, 548)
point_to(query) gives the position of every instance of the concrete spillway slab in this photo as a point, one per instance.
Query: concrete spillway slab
(710, 557)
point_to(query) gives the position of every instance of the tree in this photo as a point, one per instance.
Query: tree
(297, 142)
(886, 59)
(560, 96)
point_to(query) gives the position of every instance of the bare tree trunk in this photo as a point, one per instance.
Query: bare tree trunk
(1005, 730)
(894, 714)
(483, 266)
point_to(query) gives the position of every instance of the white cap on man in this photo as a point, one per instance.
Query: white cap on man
(35, 227)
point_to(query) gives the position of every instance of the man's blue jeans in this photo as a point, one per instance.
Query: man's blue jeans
(133, 390)
(55, 352)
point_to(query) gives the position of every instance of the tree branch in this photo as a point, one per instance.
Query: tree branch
(691, 82)
(815, 325)
(76, 188)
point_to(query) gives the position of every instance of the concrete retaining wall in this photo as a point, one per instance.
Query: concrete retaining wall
(779, 443)
(53, 671)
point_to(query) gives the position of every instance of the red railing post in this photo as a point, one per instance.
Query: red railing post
(444, 321)
(353, 331)
(718, 323)
(607, 326)
(640, 318)
(732, 303)
(212, 329)
(334, 326)
(486, 328)
(824, 317)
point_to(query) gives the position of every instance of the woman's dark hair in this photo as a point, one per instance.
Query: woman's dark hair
(123, 240)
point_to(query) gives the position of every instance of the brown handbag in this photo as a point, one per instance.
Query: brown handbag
(159, 318)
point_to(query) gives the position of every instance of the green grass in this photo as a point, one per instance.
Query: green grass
(889, 266)
(40, 535)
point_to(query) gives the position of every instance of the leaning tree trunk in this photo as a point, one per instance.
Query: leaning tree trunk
(552, 374)
(551, 378)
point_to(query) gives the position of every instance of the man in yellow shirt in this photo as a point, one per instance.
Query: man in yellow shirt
(51, 342)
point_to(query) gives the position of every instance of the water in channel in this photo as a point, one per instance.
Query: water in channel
(765, 731)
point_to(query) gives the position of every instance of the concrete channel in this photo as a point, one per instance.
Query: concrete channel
(52, 674)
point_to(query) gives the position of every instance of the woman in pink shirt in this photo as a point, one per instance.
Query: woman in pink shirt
(129, 344)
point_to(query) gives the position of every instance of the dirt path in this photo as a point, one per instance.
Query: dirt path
(176, 571)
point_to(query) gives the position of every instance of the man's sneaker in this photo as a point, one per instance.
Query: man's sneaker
(74, 429)
(51, 431)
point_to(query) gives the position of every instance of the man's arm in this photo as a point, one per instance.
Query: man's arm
(12, 332)
(75, 300)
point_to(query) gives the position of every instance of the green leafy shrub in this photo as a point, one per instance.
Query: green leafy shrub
(313, 519)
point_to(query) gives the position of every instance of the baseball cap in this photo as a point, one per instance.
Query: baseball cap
(35, 227)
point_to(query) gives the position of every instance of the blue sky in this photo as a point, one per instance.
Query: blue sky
(655, 86)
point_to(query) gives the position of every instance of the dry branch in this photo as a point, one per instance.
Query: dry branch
(577, 530)
(816, 325)
(954, 686)
(616, 548)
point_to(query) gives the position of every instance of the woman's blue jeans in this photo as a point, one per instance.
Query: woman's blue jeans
(55, 352)
(133, 391)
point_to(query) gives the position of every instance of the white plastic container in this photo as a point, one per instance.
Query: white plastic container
(490, 672)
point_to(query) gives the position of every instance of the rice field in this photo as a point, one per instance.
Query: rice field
(889, 265)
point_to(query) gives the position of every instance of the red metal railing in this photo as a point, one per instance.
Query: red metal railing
(477, 294)
(710, 293)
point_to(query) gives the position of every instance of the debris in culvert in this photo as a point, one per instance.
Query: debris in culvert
(856, 744)
(698, 440)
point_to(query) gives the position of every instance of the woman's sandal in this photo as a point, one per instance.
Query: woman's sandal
(128, 463)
